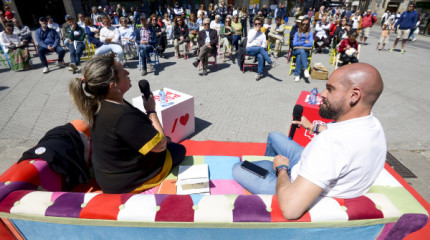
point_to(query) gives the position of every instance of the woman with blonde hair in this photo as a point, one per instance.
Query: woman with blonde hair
(127, 38)
(130, 152)
(193, 28)
(201, 10)
(227, 38)
(211, 13)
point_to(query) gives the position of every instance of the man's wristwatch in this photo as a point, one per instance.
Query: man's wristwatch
(280, 168)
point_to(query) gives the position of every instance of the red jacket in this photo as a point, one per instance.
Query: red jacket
(345, 43)
(368, 20)
(332, 28)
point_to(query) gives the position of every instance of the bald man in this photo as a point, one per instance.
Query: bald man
(342, 161)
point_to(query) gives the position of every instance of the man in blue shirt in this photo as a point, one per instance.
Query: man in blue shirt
(48, 41)
(406, 24)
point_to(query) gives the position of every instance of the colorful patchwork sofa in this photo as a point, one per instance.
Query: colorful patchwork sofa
(33, 201)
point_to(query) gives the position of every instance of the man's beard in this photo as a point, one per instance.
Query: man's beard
(330, 111)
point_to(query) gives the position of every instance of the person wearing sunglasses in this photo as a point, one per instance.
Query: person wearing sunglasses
(48, 41)
(127, 38)
(302, 44)
(255, 46)
(207, 40)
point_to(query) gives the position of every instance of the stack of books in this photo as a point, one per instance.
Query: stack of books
(193, 179)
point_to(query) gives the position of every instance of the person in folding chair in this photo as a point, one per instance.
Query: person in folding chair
(76, 35)
(255, 46)
(127, 38)
(348, 49)
(160, 31)
(181, 36)
(302, 44)
(208, 41)
(276, 35)
(48, 41)
(109, 35)
(22, 31)
(147, 40)
(15, 49)
(92, 32)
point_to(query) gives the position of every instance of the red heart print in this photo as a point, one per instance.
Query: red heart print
(184, 119)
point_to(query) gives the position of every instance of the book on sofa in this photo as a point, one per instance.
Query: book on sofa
(193, 179)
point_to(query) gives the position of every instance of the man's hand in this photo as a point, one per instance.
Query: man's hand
(280, 160)
(50, 48)
(108, 40)
(181, 38)
(73, 27)
(304, 122)
(209, 45)
(143, 42)
(306, 41)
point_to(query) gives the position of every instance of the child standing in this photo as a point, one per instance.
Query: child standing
(385, 35)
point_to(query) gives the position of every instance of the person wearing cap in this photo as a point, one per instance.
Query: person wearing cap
(216, 23)
(255, 46)
(76, 34)
(294, 29)
(109, 36)
(48, 41)
(366, 23)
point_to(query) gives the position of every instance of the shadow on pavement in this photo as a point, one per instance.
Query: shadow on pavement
(200, 126)
(3, 88)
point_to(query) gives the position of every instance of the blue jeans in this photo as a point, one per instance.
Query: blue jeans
(301, 60)
(277, 144)
(262, 57)
(144, 51)
(111, 47)
(43, 51)
(236, 39)
(75, 54)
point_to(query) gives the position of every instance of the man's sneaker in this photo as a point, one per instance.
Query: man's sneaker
(196, 63)
(144, 72)
(306, 73)
(402, 51)
(45, 70)
(73, 67)
(258, 77)
(392, 50)
(205, 72)
(414, 39)
(61, 64)
(70, 69)
(274, 64)
(296, 78)
(151, 67)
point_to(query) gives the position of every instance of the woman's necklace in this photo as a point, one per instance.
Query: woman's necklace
(116, 102)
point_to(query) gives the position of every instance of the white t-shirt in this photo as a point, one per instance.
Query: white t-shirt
(256, 39)
(111, 32)
(355, 21)
(215, 25)
(345, 159)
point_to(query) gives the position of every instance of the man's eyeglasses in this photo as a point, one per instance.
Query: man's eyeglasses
(205, 24)
(257, 24)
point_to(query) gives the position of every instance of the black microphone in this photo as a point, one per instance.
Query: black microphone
(144, 88)
(297, 116)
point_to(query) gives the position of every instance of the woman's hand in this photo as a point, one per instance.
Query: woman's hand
(149, 104)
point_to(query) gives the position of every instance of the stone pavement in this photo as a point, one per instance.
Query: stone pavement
(231, 105)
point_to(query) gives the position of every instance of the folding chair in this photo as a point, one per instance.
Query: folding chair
(89, 50)
(34, 47)
(337, 61)
(293, 63)
(214, 62)
(248, 64)
(287, 35)
(269, 47)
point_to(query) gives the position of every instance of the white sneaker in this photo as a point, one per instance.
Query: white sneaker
(45, 70)
(70, 69)
(414, 39)
(297, 78)
(306, 73)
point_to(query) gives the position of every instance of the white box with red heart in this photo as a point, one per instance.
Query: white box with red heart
(177, 118)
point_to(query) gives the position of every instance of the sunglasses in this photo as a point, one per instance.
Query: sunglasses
(258, 24)
(205, 24)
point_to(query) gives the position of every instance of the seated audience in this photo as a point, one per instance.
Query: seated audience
(92, 32)
(322, 34)
(208, 42)
(160, 31)
(147, 39)
(76, 35)
(22, 31)
(276, 35)
(302, 44)
(255, 46)
(339, 32)
(237, 36)
(15, 48)
(294, 29)
(109, 36)
(193, 27)
(127, 38)
(81, 20)
(63, 32)
(181, 35)
(53, 25)
(169, 26)
(227, 39)
(130, 152)
(332, 164)
(48, 41)
(348, 49)
(216, 23)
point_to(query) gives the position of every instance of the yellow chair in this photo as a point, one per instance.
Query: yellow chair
(333, 56)
(287, 35)
(89, 51)
(293, 63)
